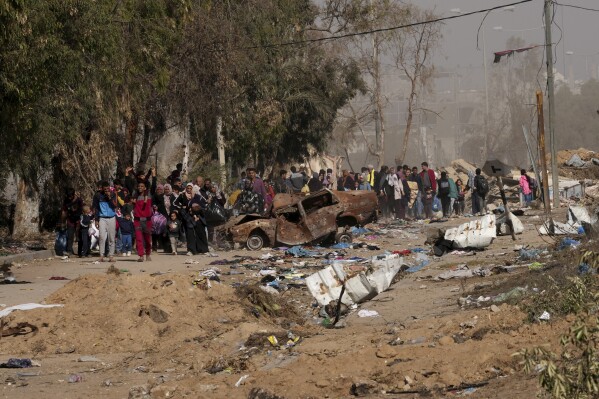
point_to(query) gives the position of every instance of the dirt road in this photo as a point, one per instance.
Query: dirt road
(157, 335)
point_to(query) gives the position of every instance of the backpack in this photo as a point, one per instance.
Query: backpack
(534, 185)
(443, 188)
(482, 185)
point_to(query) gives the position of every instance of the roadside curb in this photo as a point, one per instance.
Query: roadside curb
(27, 256)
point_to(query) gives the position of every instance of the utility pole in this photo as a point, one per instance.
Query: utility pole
(541, 127)
(486, 116)
(551, 100)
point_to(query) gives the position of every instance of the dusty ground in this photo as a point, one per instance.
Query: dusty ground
(159, 335)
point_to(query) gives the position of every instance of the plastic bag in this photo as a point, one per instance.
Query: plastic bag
(436, 205)
(60, 244)
(215, 214)
(158, 223)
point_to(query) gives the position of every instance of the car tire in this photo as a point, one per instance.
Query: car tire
(255, 242)
(343, 238)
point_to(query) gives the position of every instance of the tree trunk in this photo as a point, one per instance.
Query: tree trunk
(27, 218)
(185, 162)
(406, 137)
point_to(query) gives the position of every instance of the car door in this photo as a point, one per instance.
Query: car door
(291, 229)
(320, 214)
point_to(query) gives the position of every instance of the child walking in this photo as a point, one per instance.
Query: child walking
(126, 229)
(85, 221)
(174, 230)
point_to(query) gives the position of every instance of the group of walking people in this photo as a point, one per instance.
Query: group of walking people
(138, 212)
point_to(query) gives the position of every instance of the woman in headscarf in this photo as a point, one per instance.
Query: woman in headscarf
(315, 183)
(191, 207)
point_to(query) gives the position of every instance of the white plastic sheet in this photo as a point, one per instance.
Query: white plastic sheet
(25, 306)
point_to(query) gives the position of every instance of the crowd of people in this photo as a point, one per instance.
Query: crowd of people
(403, 192)
(138, 212)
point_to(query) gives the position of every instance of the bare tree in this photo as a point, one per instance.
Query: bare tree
(412, 53)
(410, 50)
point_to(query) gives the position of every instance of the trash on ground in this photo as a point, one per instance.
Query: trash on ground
(545, 316)
(422, 260)
(73, 378)
(463, 271)
(474, 234)
(368, 313)
(516, 292)
(14, 363)
(361, 284)
(560, 228)
(85, 359)
(529, 254)
(241, 380)
(535, 266)
(26, 306)
(503, 227)
(568, 243)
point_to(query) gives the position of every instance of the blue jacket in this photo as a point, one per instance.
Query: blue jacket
(126, 226)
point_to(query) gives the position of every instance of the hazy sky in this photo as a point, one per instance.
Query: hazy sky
(580, 32)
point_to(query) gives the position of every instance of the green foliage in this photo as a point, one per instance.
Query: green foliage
(50, 55)
(568, 297)
(574, 373)
(275, 102)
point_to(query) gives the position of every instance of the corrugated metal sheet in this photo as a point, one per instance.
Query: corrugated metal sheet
(474, 234)
(361, 282)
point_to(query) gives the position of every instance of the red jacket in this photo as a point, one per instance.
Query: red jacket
(143, 209)
(432, 178)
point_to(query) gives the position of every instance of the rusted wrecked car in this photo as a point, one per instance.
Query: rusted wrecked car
(298, 219)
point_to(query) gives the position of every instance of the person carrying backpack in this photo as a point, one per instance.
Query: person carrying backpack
(443, 184)
(481, 187)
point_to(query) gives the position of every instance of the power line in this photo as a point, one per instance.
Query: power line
(574, 6)
(336, 37)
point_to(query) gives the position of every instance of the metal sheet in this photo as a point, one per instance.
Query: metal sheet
(474, 234)
(360, 285)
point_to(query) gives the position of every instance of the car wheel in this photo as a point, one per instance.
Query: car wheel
(255, 242)
(343, 238)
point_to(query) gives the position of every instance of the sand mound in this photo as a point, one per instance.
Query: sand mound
(114, 314)
(565, 155)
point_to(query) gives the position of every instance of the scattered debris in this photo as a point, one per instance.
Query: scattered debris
(361, 283)
(241, 380)
(368, 313)
(463, 271)
(14, 363)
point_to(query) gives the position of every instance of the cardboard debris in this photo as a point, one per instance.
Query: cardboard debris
(360, 285)
(474, 234)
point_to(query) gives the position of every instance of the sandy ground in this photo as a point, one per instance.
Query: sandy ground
(422, 340)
